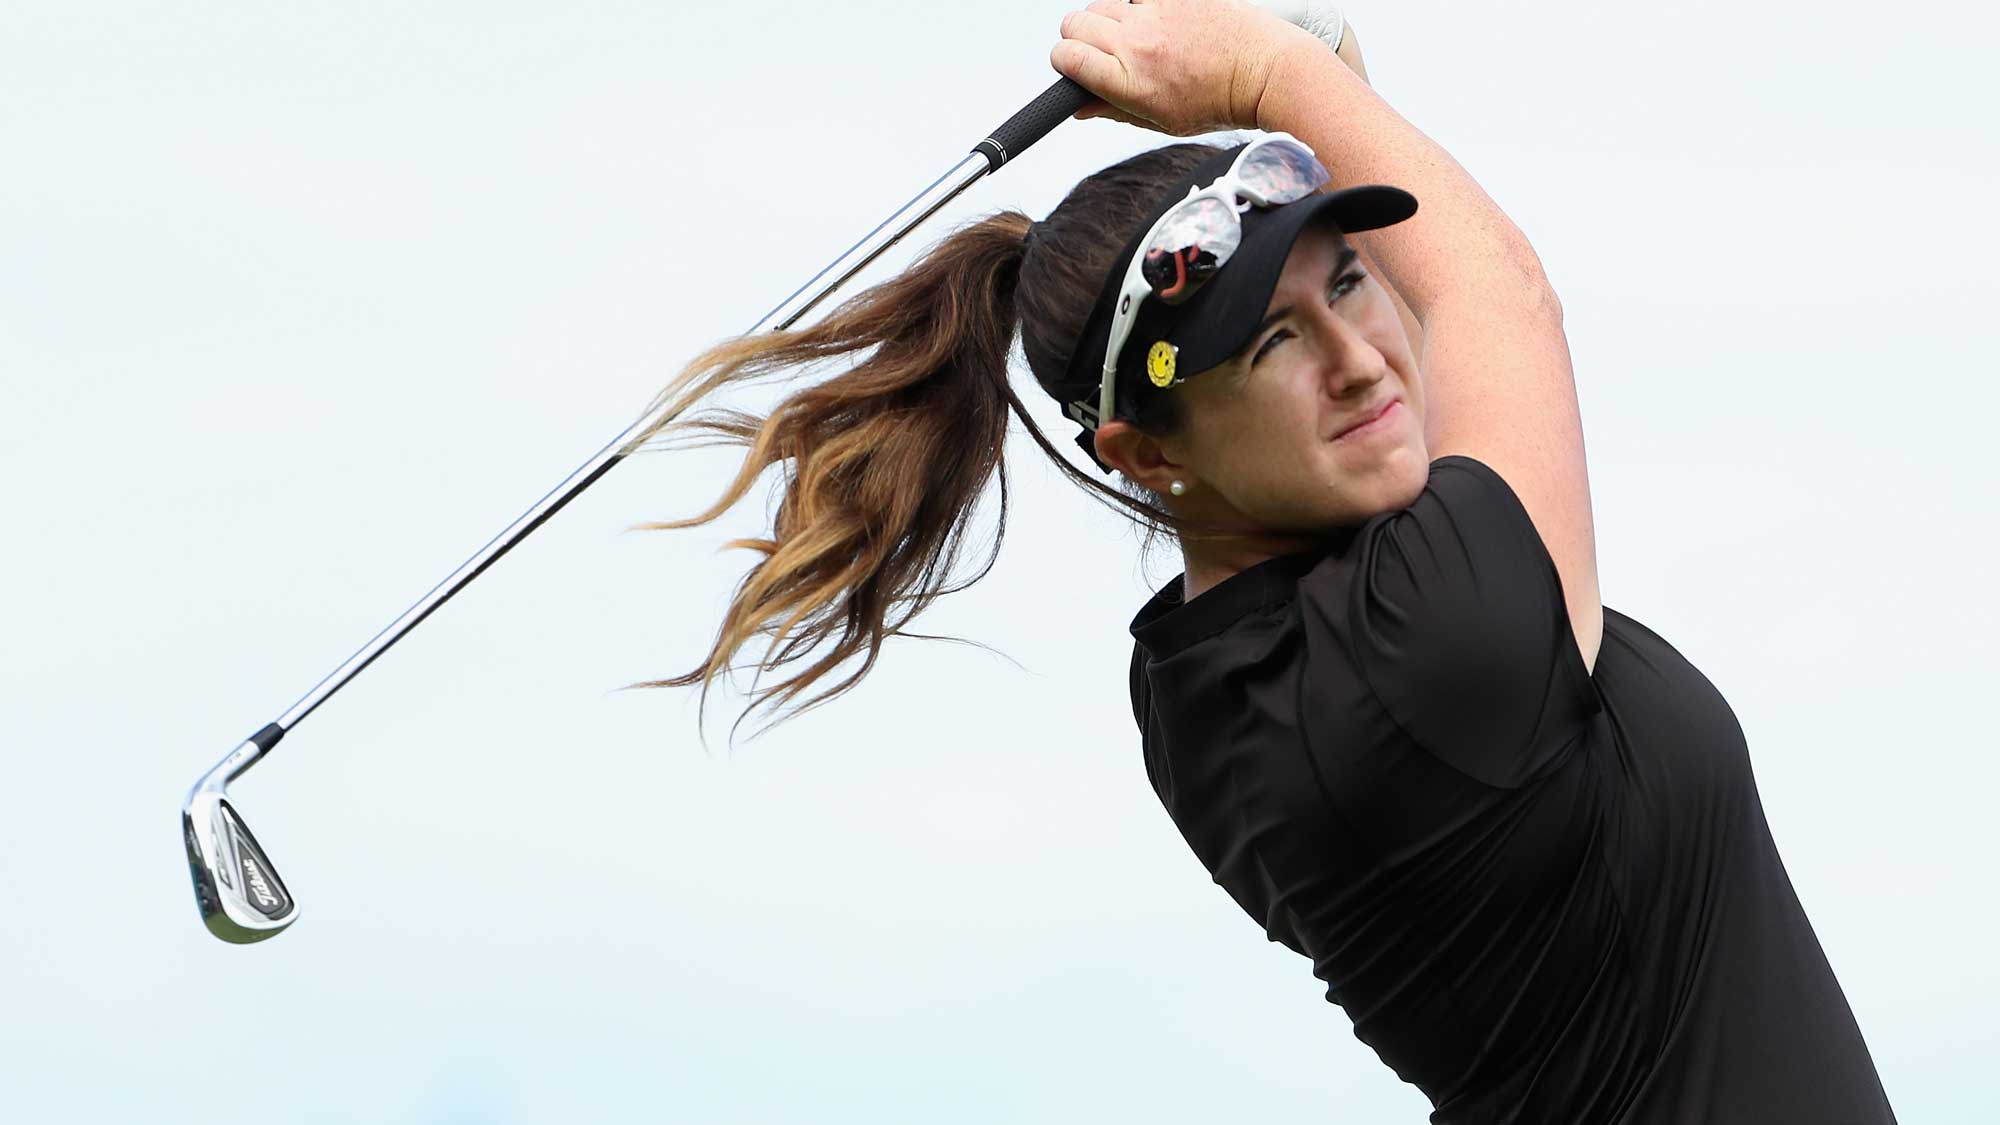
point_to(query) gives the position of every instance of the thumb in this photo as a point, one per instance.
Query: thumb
(1098, 107)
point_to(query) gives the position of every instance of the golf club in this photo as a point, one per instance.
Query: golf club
(237, 890)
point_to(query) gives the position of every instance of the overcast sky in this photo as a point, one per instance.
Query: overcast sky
(301, 303)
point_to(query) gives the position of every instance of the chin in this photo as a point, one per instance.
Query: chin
(1413, 473)
(1397, 486)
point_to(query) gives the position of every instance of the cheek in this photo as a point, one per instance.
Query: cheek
(1386, 330)
(1284, 450)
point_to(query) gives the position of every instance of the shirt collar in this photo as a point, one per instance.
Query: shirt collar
(1166, 624)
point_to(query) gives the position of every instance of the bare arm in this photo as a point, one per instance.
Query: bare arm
(1494, 360)
(1350, 53)
(1460, 240)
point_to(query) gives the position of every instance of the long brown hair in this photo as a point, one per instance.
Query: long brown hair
(885, 462)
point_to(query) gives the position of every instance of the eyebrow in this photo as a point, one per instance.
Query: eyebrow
(1347, 256)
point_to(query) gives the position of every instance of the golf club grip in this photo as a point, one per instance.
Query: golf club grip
(1051, 108)
(1060, 101)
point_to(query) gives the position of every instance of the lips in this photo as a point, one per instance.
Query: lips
(1367, 418)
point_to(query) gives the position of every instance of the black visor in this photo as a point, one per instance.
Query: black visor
(1222, 316)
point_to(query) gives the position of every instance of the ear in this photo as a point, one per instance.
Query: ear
(1138, 455)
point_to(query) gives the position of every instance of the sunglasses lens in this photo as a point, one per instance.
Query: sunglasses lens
(1282, 172)
(1189, 247)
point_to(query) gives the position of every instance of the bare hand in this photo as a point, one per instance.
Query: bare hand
(1179, 67)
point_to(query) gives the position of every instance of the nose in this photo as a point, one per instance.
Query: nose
(1348, 359)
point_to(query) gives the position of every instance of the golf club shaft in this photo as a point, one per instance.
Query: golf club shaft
(1043, 114)
(1034, 121)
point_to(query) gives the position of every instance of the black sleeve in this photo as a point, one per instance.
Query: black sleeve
(1460, 629)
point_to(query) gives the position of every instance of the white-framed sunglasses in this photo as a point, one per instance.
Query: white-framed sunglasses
(1195, 238)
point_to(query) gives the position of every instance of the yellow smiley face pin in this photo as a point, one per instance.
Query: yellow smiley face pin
(1160, 363)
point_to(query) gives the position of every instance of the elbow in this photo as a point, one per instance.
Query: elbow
(1549, 303)
(1520, 288)
(1535, 285)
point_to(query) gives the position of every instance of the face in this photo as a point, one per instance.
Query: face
(1259, 451)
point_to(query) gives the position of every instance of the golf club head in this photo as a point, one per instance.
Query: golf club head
(236, 888)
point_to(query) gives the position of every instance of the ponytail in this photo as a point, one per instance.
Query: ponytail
(884, 463)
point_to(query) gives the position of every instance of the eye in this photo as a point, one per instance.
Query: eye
(1347, 283)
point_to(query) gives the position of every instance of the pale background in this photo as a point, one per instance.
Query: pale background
(300, 303)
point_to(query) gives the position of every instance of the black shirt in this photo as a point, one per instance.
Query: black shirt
(1541, 895)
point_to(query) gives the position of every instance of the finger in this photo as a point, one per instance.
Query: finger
(1113, 113)
(1097, 30)
(1109, 9)
(1098, 107)
(1095, 70)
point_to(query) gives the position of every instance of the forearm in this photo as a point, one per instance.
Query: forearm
(1459, 243)
(1350, 53)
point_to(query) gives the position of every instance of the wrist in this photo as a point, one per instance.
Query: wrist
(1299, 63)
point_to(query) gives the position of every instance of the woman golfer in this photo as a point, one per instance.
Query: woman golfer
(1515, 831)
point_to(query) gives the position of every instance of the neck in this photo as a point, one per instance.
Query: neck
(1208, 562)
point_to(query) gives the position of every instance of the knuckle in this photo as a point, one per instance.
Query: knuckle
(1067, 57)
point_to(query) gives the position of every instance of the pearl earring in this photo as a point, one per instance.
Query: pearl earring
(1177, 488)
